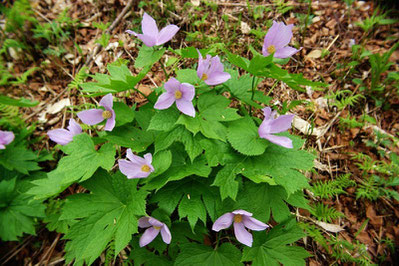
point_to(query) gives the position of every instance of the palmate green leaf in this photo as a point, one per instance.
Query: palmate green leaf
(195, 254)
(110, 212)
(129, 136)
(81, 162)
(263, 199)
(179, 134)
(18, 211)
(179, 169)
(282, 165)
(148, 56)
(187, 76)
(164, 120)
(213, 109)
(216, 151)
(244, 137)
(225, 180)
(17, 157)
(119, 79)
(142, 256)
(123, 114)
(241, 88)
(161, 162)
(273, 249)
(294, 81)
(193, 197)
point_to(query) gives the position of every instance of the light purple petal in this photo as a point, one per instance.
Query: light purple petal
(188, 91)
(107, 102)
(134, 158)
(6, 137)
(215, 65)
(242, 212)
(149, 26)
(149, 235)
(165, 101)
(223, 222)
(166, 235)
(148, 40)
(167, 33)
(91, 117)
(74, 127)
(172, 85)
(148, 158)
(201, 65)
(280, 140)
(267, 112)
(281, 123)
(285, 35)
(2, 147)
(271, 34)
(264, 128)
(253, 224)
(280, 35)
(285, 52)
(60, 136)
(110, 124)
(186, 107)
(129, 169)
(132, 32)
(155, 222)
(242, 235)
(143, 222)
(216, 78)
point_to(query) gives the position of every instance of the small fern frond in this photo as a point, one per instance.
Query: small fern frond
(325, 213)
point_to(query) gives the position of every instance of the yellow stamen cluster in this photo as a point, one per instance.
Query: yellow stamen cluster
(106, 114)
(271, 49)
(238, 218)
(178, 95)
(204, 76)
(145, 168)
(157, 227)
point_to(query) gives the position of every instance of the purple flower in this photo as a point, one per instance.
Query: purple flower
(95, 116)
(136, 166)
(277, 39)
(211, 70)
(151, 35)
(6, 137)
(241, 220)
(270, 126)
(154, 226)
(181, 93)
(64, 136)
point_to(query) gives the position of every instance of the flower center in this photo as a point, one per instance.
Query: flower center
(204, 76)
(178, 95)
(145, 168)
(107, 114)
(271, 49)
(157, 227)
(238, 218)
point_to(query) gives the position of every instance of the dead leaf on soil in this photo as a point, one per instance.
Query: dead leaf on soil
(333, 228)
(314, 54)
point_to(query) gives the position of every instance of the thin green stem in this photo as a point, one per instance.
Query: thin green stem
(217, 241)
(306, 22)
(164, 70)
(253, 94)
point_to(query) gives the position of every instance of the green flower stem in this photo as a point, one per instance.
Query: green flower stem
(164, 70)
(253, 93)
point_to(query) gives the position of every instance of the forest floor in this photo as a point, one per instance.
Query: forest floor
(352, 126)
